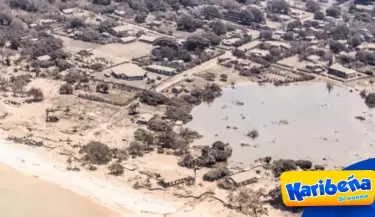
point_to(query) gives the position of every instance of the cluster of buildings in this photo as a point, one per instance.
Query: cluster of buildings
(131, 72)
(235, 38)
(341, 71)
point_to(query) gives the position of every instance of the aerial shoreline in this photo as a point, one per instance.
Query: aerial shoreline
(151, 108)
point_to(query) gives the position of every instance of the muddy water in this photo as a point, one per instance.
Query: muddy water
(26, 196)
(300, 121)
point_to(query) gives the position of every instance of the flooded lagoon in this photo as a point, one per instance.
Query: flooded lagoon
(299, 121)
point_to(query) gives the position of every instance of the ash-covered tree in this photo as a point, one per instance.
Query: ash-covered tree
(76, 22)
(246, 17)
(36, 94)
(278, 6)
(164, 52)
(211, 12)
(102, 88)
(365, 56)
(66, 89)
(239, 53)
(96, 153)
(156, 5)
(218, 27)
(319, 15)
(184, 55)
(140, 17)
(265, 34)
(294, 24)
(337, 47)
(189, 3)
(212, 38)
(116, 169)
(340, 32)
(257, 14)
(355, 40)
(25, 5)
(18, 84)
(188, 23)
(370, 100)
(289, 36)
(333, 11)
(196, 43)
(5, 18)
(312, 6)
(144, 136)
(45, 45)
(166, 41)
(107, 25)
(102, 2)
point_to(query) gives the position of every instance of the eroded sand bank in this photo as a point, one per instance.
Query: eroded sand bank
(22, 195)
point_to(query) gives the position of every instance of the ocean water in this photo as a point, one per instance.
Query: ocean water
(299, 121)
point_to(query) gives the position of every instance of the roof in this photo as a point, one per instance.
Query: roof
(148, 38)
(44, 58)
(243, 176)
(179, 123)
(118, 12)
(122, 28)
(128, 39)
(260, 52)
(278, 43)
(285, 17)
(366, 45)
(161, 68)
(365, 7)
(313, 58)
(146, 117)
(68, 11)
(341, 68)
(170, 176)
(231, 40)
(128, 69)
(46, 21)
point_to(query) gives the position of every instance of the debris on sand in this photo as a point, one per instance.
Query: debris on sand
(281, 122)
(276, 201)
(253, 134)
(248, 201)
(318, 167)
(245, 145)
(239, 103)
(361, 118)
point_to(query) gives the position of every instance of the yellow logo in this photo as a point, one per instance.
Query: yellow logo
(328, 188)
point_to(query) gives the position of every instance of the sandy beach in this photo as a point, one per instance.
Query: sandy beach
(37, 168)
(23, 195)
